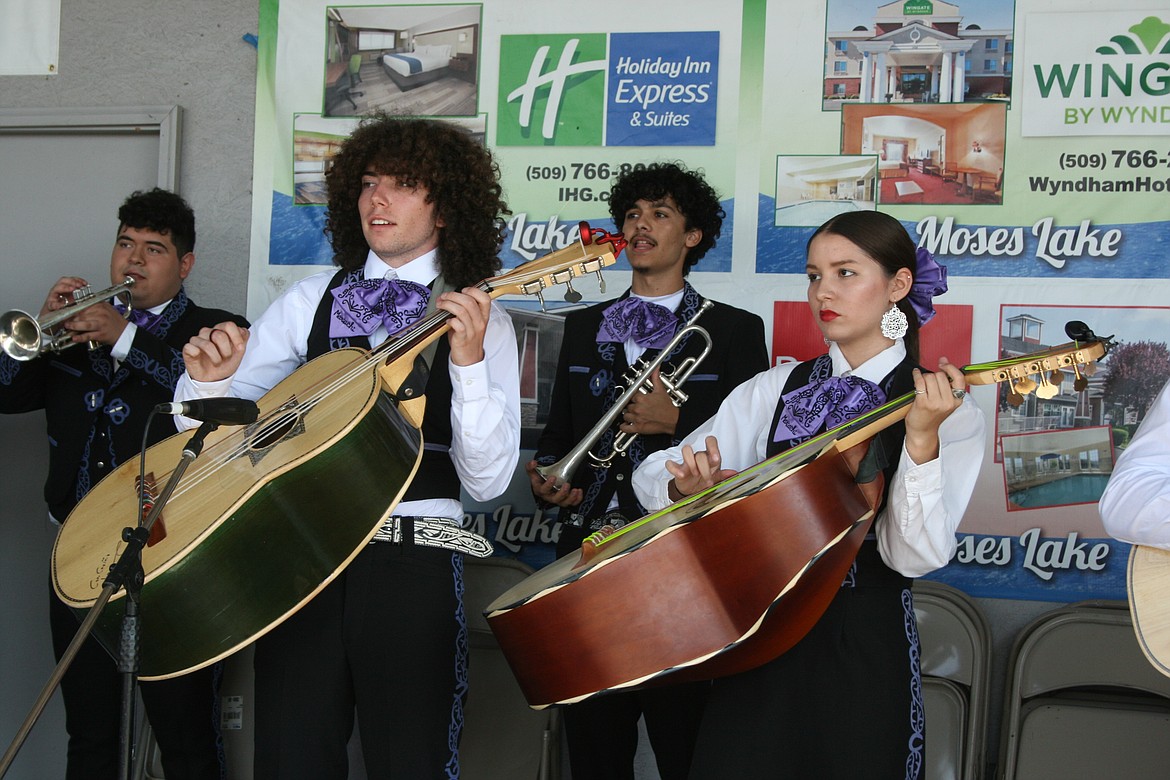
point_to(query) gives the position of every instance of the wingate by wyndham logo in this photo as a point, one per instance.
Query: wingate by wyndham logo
(1084, 82)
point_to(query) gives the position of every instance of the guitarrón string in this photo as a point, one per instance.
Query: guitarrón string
(238, 442)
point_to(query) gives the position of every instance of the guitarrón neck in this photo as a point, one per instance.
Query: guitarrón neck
(843, 436)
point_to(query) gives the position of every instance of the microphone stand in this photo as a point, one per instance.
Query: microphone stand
(127, 572)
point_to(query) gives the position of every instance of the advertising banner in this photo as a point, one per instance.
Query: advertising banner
(1034, 166)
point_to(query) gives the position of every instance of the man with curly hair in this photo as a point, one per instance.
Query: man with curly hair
(670, 218)
(97, 403)
(415, 219)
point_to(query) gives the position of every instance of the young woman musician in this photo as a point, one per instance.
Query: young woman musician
(846, 701)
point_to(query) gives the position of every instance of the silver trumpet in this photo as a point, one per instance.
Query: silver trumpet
(24, 336)
(640, 382)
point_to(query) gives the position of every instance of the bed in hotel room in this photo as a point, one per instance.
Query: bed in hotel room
(411, 69)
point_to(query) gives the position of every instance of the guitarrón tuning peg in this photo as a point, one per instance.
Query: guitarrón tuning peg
(1015, 398)
(1046, 389)
(1080, 384)
(600, 281)
(571, 295)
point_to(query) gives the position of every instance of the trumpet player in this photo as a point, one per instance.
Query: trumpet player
(670, 218)
(97, 402)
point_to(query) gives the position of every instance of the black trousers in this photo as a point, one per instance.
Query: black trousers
(844, 704)
(183, 711)
(603, 732)
(388, 639)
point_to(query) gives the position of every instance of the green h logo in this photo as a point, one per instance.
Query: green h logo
(552, 90)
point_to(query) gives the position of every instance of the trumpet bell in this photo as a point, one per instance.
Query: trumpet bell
(24, 336)
(20, 335)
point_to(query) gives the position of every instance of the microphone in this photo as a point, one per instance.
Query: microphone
(224, 411)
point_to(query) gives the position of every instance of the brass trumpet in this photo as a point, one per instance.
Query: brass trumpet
(562, 471)
(24, 336)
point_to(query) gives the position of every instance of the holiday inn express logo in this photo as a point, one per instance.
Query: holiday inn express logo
(552, 90)
(619, 89)
(1079, 84)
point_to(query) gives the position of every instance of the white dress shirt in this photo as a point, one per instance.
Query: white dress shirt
(485, 397)
(121, 348)
(1135, 506)
(916, 530)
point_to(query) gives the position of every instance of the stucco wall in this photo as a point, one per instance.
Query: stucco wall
(117, 54)
(143, 52)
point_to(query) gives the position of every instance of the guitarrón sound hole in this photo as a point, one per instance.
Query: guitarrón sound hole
(274, 430)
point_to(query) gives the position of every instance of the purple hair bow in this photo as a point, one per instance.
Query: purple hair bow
(930, 279)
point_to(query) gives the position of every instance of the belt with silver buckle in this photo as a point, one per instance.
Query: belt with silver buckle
(442, 532)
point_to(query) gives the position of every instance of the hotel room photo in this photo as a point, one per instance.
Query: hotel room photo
(950, 153)
(810, 188)
(405, 59)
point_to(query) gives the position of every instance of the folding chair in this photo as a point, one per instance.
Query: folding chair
(955, 645)
(502, 736)
(1082, 701)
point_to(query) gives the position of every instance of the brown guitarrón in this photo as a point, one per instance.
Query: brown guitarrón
(722, 581)
(271, 513)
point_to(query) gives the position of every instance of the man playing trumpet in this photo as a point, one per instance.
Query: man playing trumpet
(670, 218)
(97, 402)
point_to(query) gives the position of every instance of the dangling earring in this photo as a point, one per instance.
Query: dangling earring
(894, 322)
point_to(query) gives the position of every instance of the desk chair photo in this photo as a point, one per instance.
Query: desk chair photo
(355, 77)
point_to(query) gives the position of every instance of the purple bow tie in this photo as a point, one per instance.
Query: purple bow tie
(648, 324)
(360, 307)
(140, 317)
(827, 404)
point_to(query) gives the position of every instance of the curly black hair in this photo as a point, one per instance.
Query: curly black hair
(884, 239)
(459, 174)
(163, 212)
(695, 198)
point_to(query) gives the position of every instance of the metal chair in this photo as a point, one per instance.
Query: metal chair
(955, 643)
(502, 736)
(1082, 701)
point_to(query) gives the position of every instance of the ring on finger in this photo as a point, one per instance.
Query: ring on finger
(919, 392)
(958, 393)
